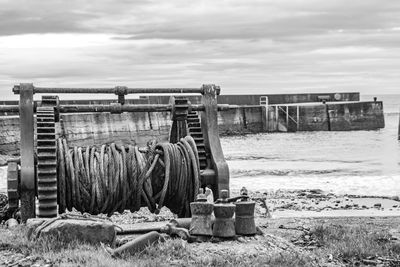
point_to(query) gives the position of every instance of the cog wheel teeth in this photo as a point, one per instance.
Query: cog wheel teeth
(46, 160)
(12, 185)
(195, 131)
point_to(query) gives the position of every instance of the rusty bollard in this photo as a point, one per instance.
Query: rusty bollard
(244, 218)
(224, 225)
(201, 216)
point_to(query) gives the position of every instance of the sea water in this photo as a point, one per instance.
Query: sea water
(356, 162)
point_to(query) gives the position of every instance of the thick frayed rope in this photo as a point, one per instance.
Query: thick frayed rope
(117, 178)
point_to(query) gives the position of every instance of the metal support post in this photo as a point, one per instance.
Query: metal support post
(298, 118)
(287, 118)
(209, 123)
(27, 151)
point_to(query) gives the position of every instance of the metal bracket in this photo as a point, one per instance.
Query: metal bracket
(179, 129)
(209, 124)
(116, 108)
(121, 92)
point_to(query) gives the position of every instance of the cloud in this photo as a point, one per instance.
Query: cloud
(245, 46)
(199, 20)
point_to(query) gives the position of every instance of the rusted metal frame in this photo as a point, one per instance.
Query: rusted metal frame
(112, 90)
(124, 108)
(14, 108)
(132, 108)
(115, 107)
(27, 152)
(287, 114)
(179, 109)
(9, 108)
(287, 118)
(209, 123)
(121, 92)
(328, 116)
(13, 185)
(46, 178)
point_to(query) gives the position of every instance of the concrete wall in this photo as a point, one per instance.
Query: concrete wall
(326, 117)
(273, 99)
(126, 128)
(313, 118)
(9, 135)
(94, 129)
(356, 116)
(242, 120)
(287, 98)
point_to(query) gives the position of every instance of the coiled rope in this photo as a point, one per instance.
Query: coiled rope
(116, 178)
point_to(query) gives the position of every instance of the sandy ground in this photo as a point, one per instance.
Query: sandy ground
(314, 203)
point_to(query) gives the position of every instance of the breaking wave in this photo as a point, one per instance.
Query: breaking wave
(296, 173)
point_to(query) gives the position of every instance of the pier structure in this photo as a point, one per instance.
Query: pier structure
(325, 116)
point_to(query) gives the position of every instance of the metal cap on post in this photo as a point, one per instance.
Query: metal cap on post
(121, 92)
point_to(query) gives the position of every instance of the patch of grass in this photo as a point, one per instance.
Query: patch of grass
(15, 240)
(277, 259)
(355, 242)
(171, 252)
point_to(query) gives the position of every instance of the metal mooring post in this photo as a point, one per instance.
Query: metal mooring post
(27, 151)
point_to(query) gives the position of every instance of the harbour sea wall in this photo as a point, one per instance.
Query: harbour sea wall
(340, 116)
(86, 129)
(260, 99)
(98, 128)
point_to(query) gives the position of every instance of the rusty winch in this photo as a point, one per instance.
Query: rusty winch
(52, 176)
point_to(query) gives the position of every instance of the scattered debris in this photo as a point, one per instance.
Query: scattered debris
(378, 205)
(136, 245)
(176, 227)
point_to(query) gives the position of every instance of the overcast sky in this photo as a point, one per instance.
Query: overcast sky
(248, 46)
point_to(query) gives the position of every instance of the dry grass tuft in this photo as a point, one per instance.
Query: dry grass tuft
(347, 244)
(171, 252)
(351, 243)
